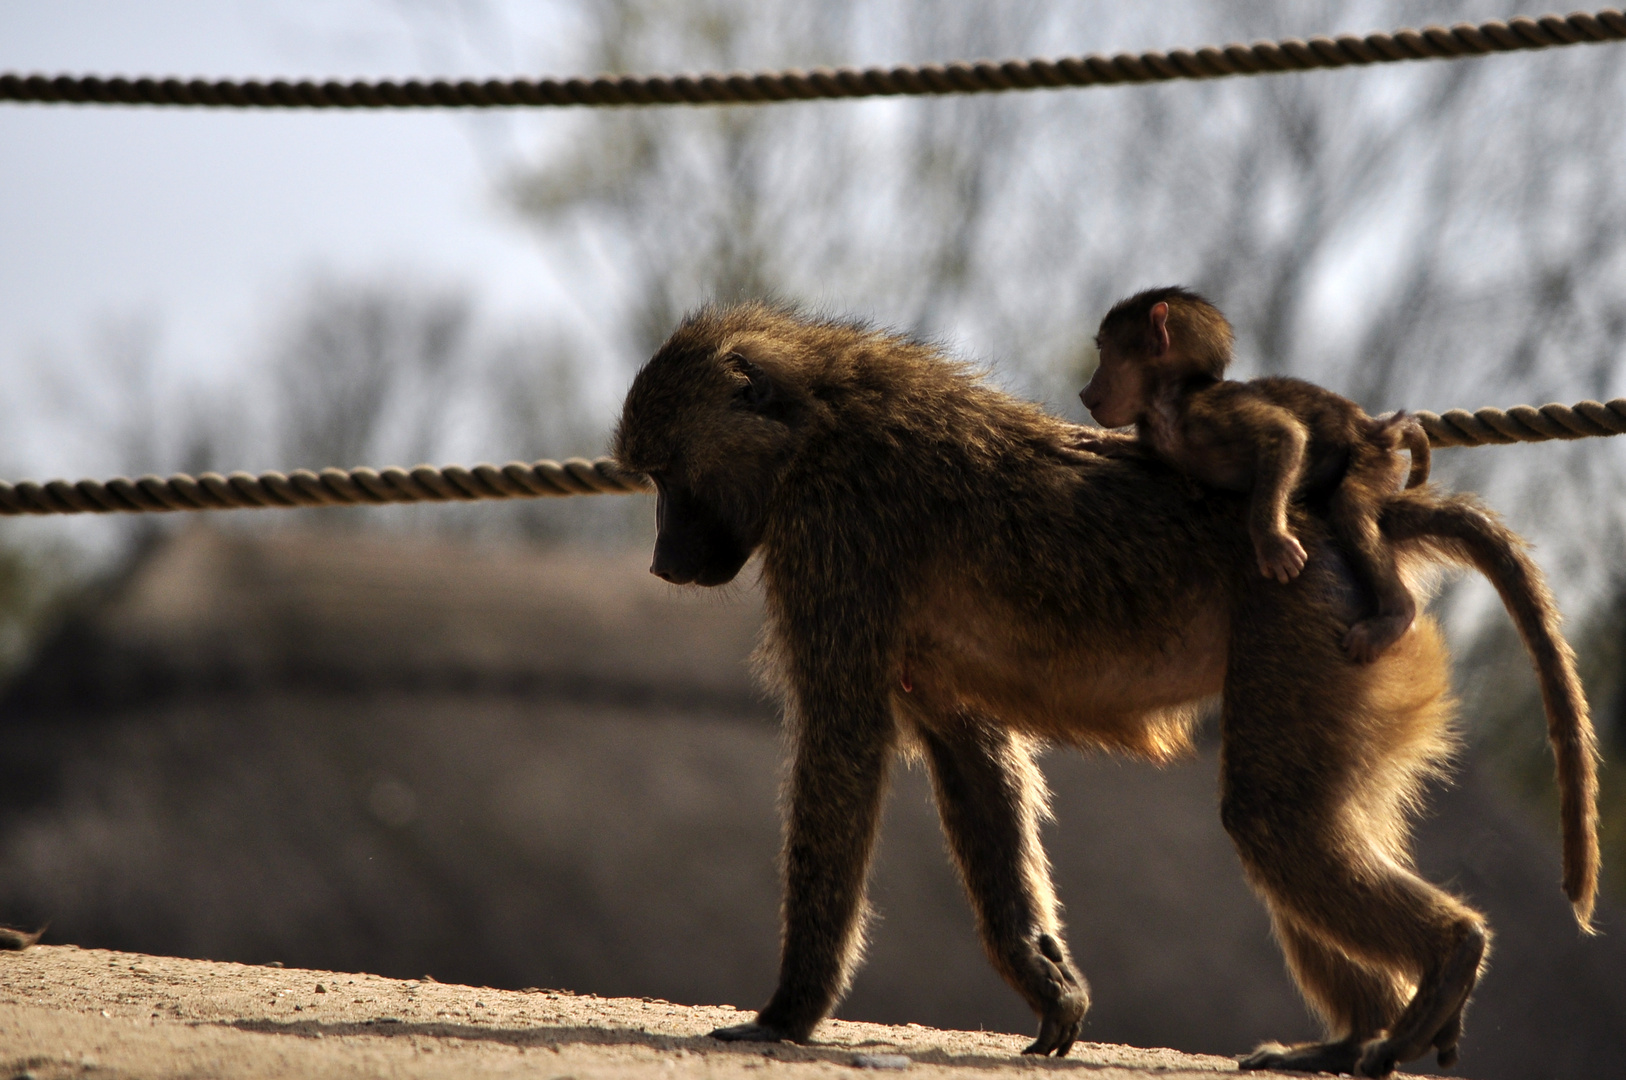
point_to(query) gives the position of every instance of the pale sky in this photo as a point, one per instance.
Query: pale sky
(204, 220)
(209, 222)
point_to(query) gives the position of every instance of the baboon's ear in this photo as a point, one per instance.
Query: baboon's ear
(1160, 328)
(758, 391)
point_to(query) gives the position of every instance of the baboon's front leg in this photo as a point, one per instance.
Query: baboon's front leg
(991, 797)
(835, 792)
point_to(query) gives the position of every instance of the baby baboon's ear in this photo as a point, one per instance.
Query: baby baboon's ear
(758, 391)
(1160, 328)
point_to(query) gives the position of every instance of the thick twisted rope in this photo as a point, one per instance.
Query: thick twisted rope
(980, 77)
(577, 476)
(330, 487)
(1524, 423)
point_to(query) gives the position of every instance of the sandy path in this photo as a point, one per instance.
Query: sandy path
(88, 1013)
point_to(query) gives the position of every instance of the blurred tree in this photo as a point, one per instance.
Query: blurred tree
(366, 370)
(545, 405)
(879, 205)
(35, 581)
(1428, 235)
(1424, 236)
(402, 373)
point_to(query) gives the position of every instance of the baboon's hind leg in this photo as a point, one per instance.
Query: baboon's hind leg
(1317, 774)
(1386, 918)
(1355, 1003)
(1433, 1020)
(991, 798)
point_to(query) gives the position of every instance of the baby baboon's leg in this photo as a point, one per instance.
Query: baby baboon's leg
(1353, 514)
(1355, 1003)
(991, 797)
(1281, 465)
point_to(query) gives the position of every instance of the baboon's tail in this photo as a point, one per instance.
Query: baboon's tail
(1400, 431)
(1415, 440)
(1459, 528)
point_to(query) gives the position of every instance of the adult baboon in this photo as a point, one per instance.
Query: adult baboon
(947, 576)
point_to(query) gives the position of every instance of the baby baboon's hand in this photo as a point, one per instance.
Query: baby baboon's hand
(1107, 444)
(1280, 557)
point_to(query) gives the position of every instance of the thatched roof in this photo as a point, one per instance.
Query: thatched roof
(210, 610)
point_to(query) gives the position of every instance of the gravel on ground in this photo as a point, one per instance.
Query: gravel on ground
(92, 1014)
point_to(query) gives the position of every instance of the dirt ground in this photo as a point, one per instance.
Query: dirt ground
(90, 1013)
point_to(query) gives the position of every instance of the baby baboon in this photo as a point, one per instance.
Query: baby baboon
(948, 576)
(1163, 358)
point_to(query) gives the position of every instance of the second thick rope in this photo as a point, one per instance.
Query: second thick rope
(330, 487)
(577, 476)
(1524, 423)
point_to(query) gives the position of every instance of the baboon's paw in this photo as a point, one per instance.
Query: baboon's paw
(1445, 1041)
(1378, 1059)
(1056, 1036)
(1281, 558)
(1336, 1057)
(17, 940)
(752, 1032)
(1066, 1000)
(1437, 1025)
(1370, 638)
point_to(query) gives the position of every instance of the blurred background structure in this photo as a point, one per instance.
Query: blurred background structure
(389, 739)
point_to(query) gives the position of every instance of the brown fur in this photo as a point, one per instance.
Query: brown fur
(946, 571)
(1163, 358)
(14, 940)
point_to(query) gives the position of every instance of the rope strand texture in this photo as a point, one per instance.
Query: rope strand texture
(578, 476)
(330, 487)
(1524, 423)
(739, 88)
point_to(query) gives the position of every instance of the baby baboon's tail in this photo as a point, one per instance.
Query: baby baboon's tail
(1461, 529)
(1403, 432)
(1415, 440)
